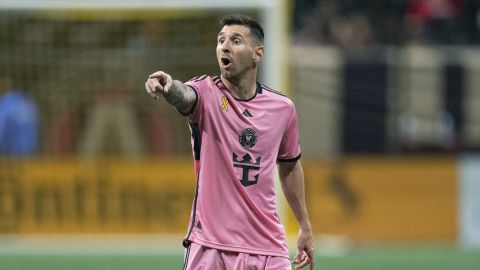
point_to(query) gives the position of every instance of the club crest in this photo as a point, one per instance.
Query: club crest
(248, 138)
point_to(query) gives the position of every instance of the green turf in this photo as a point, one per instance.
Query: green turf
(404, 258)
(391, 258)
(85, 262)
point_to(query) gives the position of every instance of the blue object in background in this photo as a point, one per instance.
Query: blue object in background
(18, 125)
(469, 204)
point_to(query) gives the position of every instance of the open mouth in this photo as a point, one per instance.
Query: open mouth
(226, 62)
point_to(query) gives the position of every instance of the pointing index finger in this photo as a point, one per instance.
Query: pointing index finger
(157, 74)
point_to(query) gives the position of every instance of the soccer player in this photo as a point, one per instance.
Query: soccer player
(240, 130)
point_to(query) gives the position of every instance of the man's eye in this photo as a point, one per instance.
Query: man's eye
(236, 42)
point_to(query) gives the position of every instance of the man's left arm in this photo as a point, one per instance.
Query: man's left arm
(292, 179)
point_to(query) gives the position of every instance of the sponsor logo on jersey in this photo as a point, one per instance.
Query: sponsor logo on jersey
(248, 164)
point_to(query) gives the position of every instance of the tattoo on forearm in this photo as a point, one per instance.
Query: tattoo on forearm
(179, 96)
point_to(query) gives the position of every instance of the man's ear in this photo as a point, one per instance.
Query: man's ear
(259, 51)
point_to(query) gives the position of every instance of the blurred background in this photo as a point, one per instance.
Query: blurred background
(95, 174)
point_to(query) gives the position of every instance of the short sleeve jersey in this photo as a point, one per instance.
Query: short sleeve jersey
(236, 144)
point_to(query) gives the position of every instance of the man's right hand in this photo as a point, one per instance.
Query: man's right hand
(158, 82)
(182, 97)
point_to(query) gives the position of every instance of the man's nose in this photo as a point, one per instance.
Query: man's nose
(226, 46)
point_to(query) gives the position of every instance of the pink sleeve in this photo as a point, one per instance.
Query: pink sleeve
(290, 147)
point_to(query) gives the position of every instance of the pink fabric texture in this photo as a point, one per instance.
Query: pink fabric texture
(236, 145)
(204, 258)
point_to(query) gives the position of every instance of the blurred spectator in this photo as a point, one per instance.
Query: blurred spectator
(446, 130)
(303, 9)
(64, 130)
(18, 123)
(408, 132)
(111, 127)
(355, 23)
(435, 21)
(340, 23)
(472, 10)
(159, 130)
(351, 32)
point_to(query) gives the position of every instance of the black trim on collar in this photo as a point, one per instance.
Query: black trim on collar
(258, 90)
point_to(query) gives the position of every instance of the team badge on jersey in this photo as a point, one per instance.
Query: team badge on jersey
(248, 138)
(224, 103)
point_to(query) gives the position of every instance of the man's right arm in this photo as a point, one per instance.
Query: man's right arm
(182, 97)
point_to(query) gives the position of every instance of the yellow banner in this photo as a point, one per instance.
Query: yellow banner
(383, 198)
(58, 196)
(364, 198)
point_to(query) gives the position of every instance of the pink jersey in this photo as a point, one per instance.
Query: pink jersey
(236, 144)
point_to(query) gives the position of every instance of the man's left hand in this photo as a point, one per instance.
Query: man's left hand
(305, 251)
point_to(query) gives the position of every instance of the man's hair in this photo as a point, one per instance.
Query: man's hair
(238, 19)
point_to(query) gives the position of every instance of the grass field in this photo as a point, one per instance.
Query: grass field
(384, 258)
